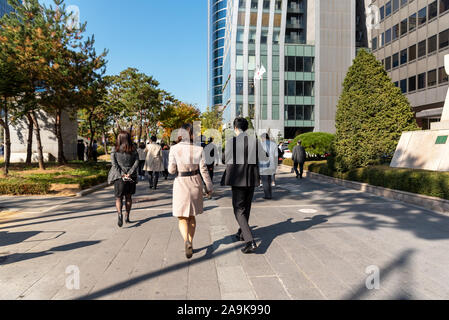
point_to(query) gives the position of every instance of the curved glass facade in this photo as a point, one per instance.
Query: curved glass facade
(217, 26)
(4, 7)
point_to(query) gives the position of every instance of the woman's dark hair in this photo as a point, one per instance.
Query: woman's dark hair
(241, 124)
(266, 136)
(189, 128)
(124, 143)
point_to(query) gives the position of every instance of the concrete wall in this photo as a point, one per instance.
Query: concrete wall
(19, 135)
(335, 51)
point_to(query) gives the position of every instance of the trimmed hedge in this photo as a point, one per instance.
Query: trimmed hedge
(17, 187)
(315, 143)
(430, 183)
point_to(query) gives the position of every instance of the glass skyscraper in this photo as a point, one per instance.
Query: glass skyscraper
(216, 33)
(4, 7)
(306, 48)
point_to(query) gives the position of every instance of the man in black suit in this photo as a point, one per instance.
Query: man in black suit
(299, 158)
(242, 174)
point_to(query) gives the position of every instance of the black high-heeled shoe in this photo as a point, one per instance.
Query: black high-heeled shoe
(127, 219)
(189, 249)
(120, 220)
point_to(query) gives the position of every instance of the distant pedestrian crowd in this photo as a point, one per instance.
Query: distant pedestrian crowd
(249, 162)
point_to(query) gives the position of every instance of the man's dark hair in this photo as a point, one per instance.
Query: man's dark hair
(299, 142)
(154, 138)
(241, 124)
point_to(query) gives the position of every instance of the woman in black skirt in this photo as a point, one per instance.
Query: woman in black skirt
(125, 164)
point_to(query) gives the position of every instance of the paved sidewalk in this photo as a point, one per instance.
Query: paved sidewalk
(316, 242)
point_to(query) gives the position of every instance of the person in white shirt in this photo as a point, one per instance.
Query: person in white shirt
(268, 168)
(142, 156)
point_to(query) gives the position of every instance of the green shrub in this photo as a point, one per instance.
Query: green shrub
(17, 187)
(288, 162)
(429, 183)
(371, 115)
(315, 143)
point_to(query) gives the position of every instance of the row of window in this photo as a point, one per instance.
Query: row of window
(419, 81)
(420, 50)
(263, 36)
(299, 88)
(266, 4)
(219, 5)
(392, 6)
(299, 112)
(410, 24)
(299, 64)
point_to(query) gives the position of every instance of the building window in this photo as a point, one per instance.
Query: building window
(251, 110)
(382, 39)
(299, 112)
(444, 39)
(239, 110)
(240, 34)
(239, 63)
(251, 87)
(388, 9)
(239, 86)
(253, 19)
(433, 10)
(290, 64)
(395, 60)
(308, 113)
(308, 64)
(251, 62)
(444, 5)
(278, 5)
(309, 88)
(412, 53)
(395, 32)
(432, 78)
(403, 2)
(432, 44)
(388, 36)
(290, 88)
(387, 63)
(395, 5)
(396, 84)
(290, 112)
(403, 56)
(422, 49)
(442, 75)
(403, 27)
(382, 13)
(412, 22)
(242, 3)
(266, 4)
(403, 85)
(252, 36)
(374, 43)
(299, 88)
(422, 80)
(299, 64)
(254, 4)
(422, 16)
(264, 37)
(412, 84)
(276, 36)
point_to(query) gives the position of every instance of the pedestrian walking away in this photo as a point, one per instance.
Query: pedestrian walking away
(165, 159)
(211, 155)
(188, 162)
(123, 174)
(299, 158)
(242, 174)
(267, 169)
(153, 162)
(95, 151)
(142, 156)
(80, 150)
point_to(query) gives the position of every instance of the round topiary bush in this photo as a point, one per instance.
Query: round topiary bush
(316, 144)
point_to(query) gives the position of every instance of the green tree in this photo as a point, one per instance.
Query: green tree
(315, 143)
(371, 115)
(175, 115)
(212, 118)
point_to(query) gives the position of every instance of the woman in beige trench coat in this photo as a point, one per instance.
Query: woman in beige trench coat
(153, 162)
(188, 162)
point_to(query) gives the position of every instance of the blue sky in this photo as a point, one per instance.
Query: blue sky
(163, 38)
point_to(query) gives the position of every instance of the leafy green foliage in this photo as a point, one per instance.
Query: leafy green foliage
(424, 182)
(315, 143)
(371, 115)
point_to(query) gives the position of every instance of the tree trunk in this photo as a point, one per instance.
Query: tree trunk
(37, 133)
(92, 135)
(105, 145)
(58, 126)
(7, 150)
(30, 140)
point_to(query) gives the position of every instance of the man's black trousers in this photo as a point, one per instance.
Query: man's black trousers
(242, 198)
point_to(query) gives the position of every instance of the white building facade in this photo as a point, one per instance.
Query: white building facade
(306, 47)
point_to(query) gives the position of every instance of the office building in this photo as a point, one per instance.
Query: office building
(216, 32)
(411, 42)
(4, 7)
(306, 47)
